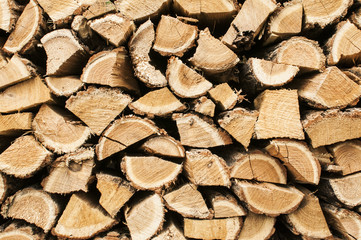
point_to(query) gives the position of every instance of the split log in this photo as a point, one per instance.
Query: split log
(113, 235)
(99, 8)
(303, 166)
(123, 133)
(9, 15)
(114, 28)
(80, 25)
(159, 102)
(257, 227)
(268, 198)
(16, 123)
(82, 218)
(3, 187)
(150, 173)
(29, 27)
(163, 145)
(248, 23)
(171, 231)
(173, 37)
(148, 210)
(115, 192)
(206, 169)
(279, 115)
(97, 107)
(204, 106)
(110, 68)
(322, 155)
(66, 56)
(200, 132)
(140, 45)
(32, 205)
(224, 96)
(332, 126)
(21, 96)
(347, 155)
(19, 231)
(239, 123)
(64, 86)
(59, 11)
(70, 172)
(211, 55)
(184, 81)
(225, 228)
(187, 201)
(24, 157)
(58, 130)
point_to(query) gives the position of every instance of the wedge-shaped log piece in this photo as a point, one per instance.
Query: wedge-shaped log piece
(159, 102)
(211, 55)
(99, 8)
(163, 145)
(347, 155)
(123, 133)
(344, 46)
(150, 173)
(187, 201)
(298, 159)
(200, 132)
(16, 123)
(329, 89)
(28, 28)
(115, 192)
(205, 106)
(239, 123)
(3, 187)
(258, 166)
(32, 205)
(223, 96)
(19, 231)
(59, 11)
(97, 107)
(332, 126)
(301, 52)
(150, 210)
(114, 28)
(177, 41)
(110, 68)
(82, 218)
(268, 198)
(257, 227)
(279, 115)
(171, 231)
(140, 45)
(206, 169)
(66, 56)
(9, 15)
(21, 96)
(24, 157)
(248, 23)
(70, 172)
(184, 81)
(225, 228)
(64, 86)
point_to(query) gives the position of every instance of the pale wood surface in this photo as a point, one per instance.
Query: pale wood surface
(13, 124)
(347, 155)
(223, 96)
(3, 187)
(257, 227)
(20, 231)
(170, 231)
(99, 8)
(204, 105)
(8, 15)
(59, 10)
(64, 86)
(163, 145)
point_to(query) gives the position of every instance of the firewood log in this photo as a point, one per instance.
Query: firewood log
(347, 156)
(64, 86)
(59, 11)
(20, 231)
(171, 231)
(10, 14)
(257, 227)
(163, 145)
(99, 8)
(16, 123)
(205, 106)
(224, 97)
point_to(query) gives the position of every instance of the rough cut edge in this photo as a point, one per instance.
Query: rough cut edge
(3, 187)
(59, 92)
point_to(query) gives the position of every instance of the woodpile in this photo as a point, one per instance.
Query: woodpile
(180, 119)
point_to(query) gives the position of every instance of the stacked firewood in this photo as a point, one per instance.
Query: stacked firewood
(180, 119)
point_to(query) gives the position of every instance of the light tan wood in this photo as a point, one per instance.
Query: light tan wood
(268, 198)
(173, 37)
(32, 205)
(205, 106)
(159, 102)
(16, 123)
(248, 23)
(80, 25)
(332, 126)
(150, 173)
(148, 209)
(110, 68)
(70, 172)
(279, 115)
(97, 107)
(99, 8)
(200, 132)
(300, 162)
(206, 169)
(239, 123)
(64, 86)
(123, 133)
(3, 187)
(187, 201)
(9, 15)
(113, 235)
(163, 145)
(347, 155)
(115, 192)
(224, 96)
(355, 17)
(21, 96)
(19, 231)
(24, 157)
(257, 227)
(140, 45)
(171, 231)
(82, 218)
(322, 155)
(211, 55)
(184, 81)
(59, 10)
(226, 228)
